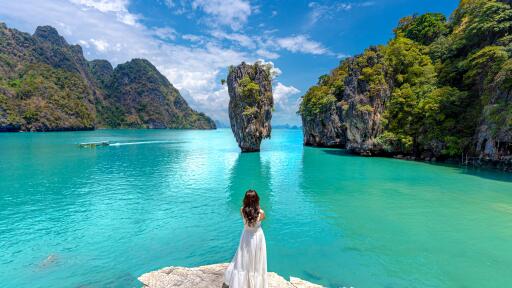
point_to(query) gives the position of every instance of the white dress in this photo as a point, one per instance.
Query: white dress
(248, 269)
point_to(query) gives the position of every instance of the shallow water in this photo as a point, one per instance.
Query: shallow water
(100, 217)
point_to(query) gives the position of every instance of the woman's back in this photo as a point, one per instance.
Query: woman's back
(257, 224)
(248, 269)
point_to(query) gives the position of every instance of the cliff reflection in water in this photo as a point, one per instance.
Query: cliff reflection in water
(249, 172)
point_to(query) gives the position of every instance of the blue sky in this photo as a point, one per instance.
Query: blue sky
(192, 42)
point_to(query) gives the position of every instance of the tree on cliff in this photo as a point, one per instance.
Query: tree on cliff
(438, 89)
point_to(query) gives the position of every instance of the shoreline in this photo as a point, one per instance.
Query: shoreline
(504, 165)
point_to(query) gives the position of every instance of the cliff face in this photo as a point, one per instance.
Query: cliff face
(352, 117)
(147, 99)
(494, 133)
(47, 85)
(325, 130)
(35, 95)
(250, 104)
(440, 89)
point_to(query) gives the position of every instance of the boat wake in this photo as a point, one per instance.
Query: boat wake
(107, 143)
(144, 142)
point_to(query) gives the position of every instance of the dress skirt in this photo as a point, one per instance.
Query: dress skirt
(248, 269)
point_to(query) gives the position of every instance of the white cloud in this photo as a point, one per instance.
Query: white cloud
(101, 45)
(165, 33)
(327, 11)
(84, 43)
(302, 43)
(274, 71)
(286, 103)
(316, 13)
(194, 38)
(118, 7)
(282, 92)
(232, 13)
(104, 5)
(127, 18)
(267, 54)
(241, 39)
(64, 29)
(169, 3)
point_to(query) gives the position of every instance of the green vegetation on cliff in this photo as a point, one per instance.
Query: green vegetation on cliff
(44, 98)
(47, 85)
(441, 87)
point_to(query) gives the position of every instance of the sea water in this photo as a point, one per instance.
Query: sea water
(101, 217)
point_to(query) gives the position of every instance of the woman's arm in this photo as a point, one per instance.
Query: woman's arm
(262, 215)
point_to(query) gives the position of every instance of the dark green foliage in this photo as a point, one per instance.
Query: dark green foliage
(482, 66)
(412, 99)
(249, 90)
(503, 79)
(481, 22)
(101, 71)
(423, 29)
(446, 78)
(317, 100)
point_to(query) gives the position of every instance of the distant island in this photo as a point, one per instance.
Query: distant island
(46, 84)
(440, 90)
(221, 124)
(286, 126)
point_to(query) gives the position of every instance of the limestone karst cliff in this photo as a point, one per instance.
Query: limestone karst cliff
(440, 89)
(46, 84)
(250, 104)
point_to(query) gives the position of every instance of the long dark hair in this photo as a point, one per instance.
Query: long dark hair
(251, 208)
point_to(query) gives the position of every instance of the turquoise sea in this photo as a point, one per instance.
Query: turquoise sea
(82, 217)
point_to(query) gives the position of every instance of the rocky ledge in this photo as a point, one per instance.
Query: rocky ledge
(209, 276)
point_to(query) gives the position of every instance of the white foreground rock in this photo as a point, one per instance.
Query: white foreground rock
(209, 276)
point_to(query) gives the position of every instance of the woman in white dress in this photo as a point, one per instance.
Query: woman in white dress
(248, 269)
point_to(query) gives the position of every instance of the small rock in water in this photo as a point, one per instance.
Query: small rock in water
(48, 261)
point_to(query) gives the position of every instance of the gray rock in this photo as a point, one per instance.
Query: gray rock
(250, 104)
(209, 276)
(494, 133)
(325, 130)
(355, 121)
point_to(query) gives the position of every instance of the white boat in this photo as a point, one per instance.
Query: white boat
(94, 144)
